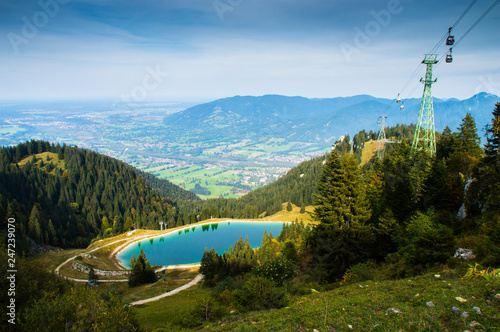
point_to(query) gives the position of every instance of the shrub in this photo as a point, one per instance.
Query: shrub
(360, 272)
(426, 242)
(277, 270)
(259, 293)
(209, 310)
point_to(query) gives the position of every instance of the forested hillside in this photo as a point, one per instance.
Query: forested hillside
(167, 189)
(65, 196)
(404, 216)
(298, 186)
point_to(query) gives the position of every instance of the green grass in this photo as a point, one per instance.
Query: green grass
(121, 237)
(293, 215)
(61, 164)
(368, 151)
(365, 307)
(52, 260)
(173, 279)
(160, 314)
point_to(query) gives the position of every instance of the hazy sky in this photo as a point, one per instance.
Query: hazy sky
(208, 49)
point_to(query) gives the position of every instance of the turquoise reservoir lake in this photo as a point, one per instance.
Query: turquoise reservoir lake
(187, 246)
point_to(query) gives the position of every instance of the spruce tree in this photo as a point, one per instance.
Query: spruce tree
(493, 134)
(142, 272)
(467, 138)
(34, 230)
(302, 208)
(341, 199)
(341, 239)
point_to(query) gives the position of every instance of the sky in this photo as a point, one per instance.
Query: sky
(200, 50)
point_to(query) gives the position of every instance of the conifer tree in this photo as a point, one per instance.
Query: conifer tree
(104, 224)
(210, 266)
(445, 144)
(467, 138)
(493, 134)
(341, 239)
(34, 230)
(341, 199)
(302, 208)
(142, 272)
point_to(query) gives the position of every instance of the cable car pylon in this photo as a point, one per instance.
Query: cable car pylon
(424, 138)
(381, 138)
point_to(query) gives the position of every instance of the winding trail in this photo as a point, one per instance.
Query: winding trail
(193, 282)
(127, 242)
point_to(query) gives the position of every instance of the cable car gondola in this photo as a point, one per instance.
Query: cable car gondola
(451, 39)
(449, 58)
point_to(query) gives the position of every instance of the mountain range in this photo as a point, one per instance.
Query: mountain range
(317, 120)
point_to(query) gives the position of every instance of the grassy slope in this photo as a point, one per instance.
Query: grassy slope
(159, 314)
(366, 308)
(43, 157)
(369, 151)
(293, 215)
(173, 279)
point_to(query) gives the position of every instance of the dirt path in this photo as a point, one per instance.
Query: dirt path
(88, 252)
(193, 282)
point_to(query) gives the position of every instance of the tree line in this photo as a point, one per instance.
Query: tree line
(71, 196)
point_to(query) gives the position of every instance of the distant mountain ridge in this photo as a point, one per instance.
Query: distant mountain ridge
(318, 120)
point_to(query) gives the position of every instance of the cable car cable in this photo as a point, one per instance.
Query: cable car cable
(470, 29)
(439, 43)
(446, 35)
(463, 14)
(477, 22)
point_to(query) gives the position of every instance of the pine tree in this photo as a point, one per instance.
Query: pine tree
(341, 199)
(445, 144)
(52, 234)
(302, 208)
(34, 230)
(341, 239)
(467, 138)
(104, 224)
(493, 134)
(210, 266)
(142, 272)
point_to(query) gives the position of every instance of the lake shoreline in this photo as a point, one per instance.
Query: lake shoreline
(118, 250)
